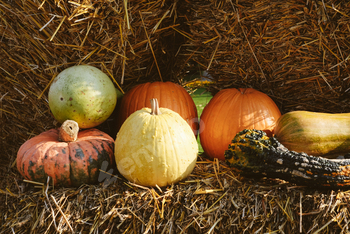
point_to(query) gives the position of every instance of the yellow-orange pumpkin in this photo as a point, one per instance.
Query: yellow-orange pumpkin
(69, 157)
(169, 94)
(155, 147)
(229, 112)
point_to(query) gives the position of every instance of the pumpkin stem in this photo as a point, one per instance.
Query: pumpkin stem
(155, 107)
(242, 90)
(68, 131)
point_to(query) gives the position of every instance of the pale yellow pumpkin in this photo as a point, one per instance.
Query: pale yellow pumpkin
(155, 147)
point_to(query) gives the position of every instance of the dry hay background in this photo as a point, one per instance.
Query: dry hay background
(295, 51)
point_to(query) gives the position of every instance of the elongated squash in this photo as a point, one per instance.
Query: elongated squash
(317, 134)
(253, 153)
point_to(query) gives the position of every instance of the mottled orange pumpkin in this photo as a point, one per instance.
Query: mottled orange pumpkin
(69, 156)
(229, 112)
(169, 94)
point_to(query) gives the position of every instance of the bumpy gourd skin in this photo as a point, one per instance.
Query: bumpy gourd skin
(254, 153)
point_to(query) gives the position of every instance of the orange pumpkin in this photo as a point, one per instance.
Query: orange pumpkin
(229, 112)
(69, 157)
(169, 94)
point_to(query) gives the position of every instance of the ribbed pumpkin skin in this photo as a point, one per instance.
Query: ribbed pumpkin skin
(317, 134)
(229, 112)
(169, 95)
(67, 163)
(155, 150)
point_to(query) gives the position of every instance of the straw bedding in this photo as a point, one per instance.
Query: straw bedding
(295, 51)
(213, 199)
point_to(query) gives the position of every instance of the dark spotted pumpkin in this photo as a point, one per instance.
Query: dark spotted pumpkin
(69, 160)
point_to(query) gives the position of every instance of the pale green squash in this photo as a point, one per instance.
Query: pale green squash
(84, 94)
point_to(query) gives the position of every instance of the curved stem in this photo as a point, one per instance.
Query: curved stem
(68, 131)
(155, 107)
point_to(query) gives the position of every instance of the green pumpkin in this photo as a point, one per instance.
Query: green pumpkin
(84, 94)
